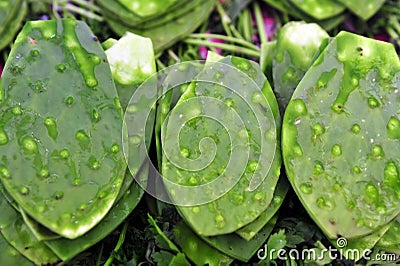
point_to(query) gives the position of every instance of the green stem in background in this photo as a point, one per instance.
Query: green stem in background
(224, 38)
(245, 24)
(82, 8)
(83, 12)
(118, 246)
(260, 23)
(226, 47)
(173, 55)
(225, 20)
(90, 5)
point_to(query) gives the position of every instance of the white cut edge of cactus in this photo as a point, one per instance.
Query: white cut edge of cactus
(131, 59)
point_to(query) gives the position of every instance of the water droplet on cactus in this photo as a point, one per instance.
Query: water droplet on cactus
(58, 195)
(35, 53)
(83, 139)
(44, 172)
(237, 198)
(114, 148)
(356, 128)
(3, 137)
(40, 208)
(185, 152)
(258, 196)
(337, 108)
(356, 169)
(297, 151)
(321, 202)
(229, 102)
(336, 150)
(318, 129)
(134, 140)
(360, 223)
(299, 107)
(102, 194)
(94, 163)
(393, 128)
(133, 108)
(351, 205)
(306, 188)
(69, 100)
(336, 186)
(66, 216)
(17, 110)
(39, 86)
(318, 168)
(61, 68)
(64, 153)
(5, 173)
(91, 82)
(220, 221)
(96, 116)
(377, 151)
(372, 192)
(83, 207)
(258, 98)
(391, 175)
(51, 127)
(252, 166)
(24, 190)
(193, 181)
(196, 210)
(76, 182)
(381, 209)
(373, 102)
(29, 145)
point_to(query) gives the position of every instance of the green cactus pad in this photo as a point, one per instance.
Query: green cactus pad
(61, 119)
(391, 237)
(8, 10)
(17, 233)
(219, 198)
(297, 45)
(10, 256)
(167, 34)
(147, 8)
(196, 249)
(40, 232)
(340, 137)
(249, 231)
(68, 248)
(319, 9)
(361, 244)
(238, 248)
(12, 26)
(365, 9)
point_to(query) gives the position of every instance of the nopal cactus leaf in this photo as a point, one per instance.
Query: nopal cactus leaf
(238, 248)
(10, 256)
(298, 43)
(61, 118)
(391, 238)
(340, 137)
(197, 190)
(321, 9)
(39, 231)
(364, 9)
(68, 248)
(17, 233)
(165, 35)
(196, 249)
(12, 26)
(250, 230)
(147, 8)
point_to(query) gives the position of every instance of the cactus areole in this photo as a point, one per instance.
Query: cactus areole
(60, 124)
(341, 135)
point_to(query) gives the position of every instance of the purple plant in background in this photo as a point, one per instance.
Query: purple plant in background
(1, 68)
(270, 26)
(203, 50)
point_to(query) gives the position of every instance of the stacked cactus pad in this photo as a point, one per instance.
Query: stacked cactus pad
(229, 143)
